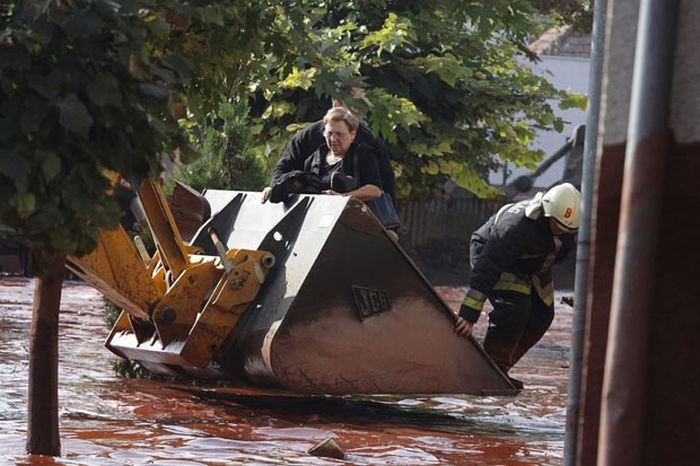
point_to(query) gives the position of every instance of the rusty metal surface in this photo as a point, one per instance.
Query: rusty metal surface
(165, 232)
(608, 191)
(190, 209)
(116, 269)
(177, 310)
(187, 333)
(650, 143)
(672, 409)
(650, 388)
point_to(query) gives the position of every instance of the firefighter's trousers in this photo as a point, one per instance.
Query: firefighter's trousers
(517, 322)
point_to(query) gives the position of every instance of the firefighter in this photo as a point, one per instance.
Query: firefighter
(511, 257)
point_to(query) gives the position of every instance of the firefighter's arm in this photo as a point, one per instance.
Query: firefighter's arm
(469, 312)
(473, 302)
(495, 258)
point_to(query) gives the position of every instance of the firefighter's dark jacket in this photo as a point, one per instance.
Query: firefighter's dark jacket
(515, 249)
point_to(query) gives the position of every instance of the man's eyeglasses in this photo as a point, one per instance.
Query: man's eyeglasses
(337, 135)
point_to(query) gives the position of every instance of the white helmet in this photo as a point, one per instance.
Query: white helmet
(563, 204)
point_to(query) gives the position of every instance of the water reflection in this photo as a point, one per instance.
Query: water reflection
(114, 421)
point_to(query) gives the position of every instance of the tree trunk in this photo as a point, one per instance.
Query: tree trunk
(42, 428)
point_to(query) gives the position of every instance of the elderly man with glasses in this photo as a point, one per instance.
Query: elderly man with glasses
(338, 166)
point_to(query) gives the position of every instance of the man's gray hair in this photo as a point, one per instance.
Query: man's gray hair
(342, 114)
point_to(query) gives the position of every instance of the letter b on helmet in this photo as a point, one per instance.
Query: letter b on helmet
(563, 204)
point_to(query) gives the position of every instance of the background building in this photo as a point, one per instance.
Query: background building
(565, 59)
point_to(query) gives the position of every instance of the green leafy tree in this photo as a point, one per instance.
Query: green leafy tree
(577, 13)
(96, 90)
(227, 162)
(444, 82)
(78, 103)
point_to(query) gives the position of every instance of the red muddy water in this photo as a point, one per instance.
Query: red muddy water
(109, 420)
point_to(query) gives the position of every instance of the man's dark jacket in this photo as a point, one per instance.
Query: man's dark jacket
(359, 159)
(306, 141)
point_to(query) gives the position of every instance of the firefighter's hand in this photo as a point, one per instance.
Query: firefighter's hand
(463, 327)
(265, 194)
(568, 300)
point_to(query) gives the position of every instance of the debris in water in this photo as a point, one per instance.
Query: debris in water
(328, 448)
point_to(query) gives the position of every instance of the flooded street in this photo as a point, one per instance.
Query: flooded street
(109, 420)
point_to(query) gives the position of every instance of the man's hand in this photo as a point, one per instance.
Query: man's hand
(265, 194)
(463, 327)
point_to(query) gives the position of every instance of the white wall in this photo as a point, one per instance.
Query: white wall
(567, 73)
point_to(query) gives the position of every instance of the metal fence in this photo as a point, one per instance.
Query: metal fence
(15, 257)
(435, 233)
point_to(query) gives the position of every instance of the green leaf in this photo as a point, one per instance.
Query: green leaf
(178, 65)
(84, 24)
(471, 181)
(299, 78)
(211, 14)
(31, 121)
(394, 33)
(432, 168)
(573, 100)
(26, 203)
(44, 85)
(12, 165)
(159, 28)
(104, 90)
(50, 165)
(74, 116)
(8, 128)
(187, 153)
(46, 218)
(62, 240)
(74, 196)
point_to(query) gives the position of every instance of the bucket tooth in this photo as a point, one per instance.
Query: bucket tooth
(280, 238)
(142, 329)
